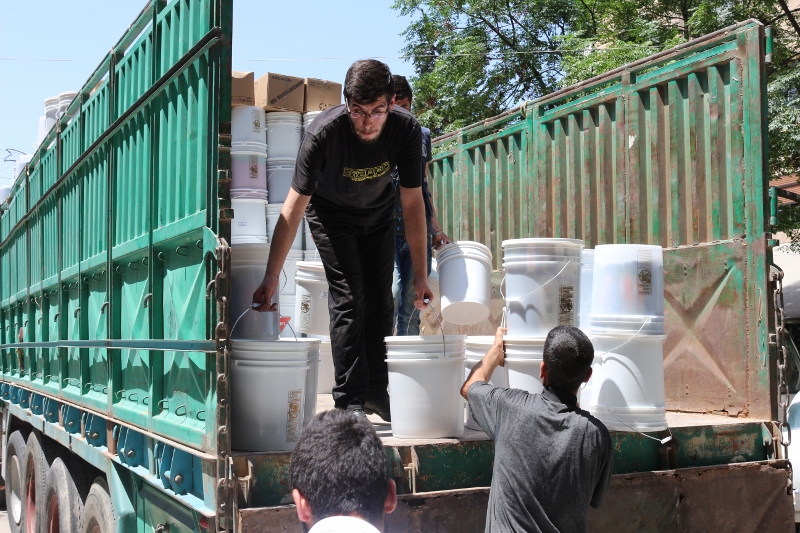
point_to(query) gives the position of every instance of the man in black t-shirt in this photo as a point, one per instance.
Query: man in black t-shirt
(343, 182)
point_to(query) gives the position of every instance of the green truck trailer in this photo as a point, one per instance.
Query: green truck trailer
(115, 278)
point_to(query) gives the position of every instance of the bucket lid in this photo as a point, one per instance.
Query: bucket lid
(626, 325)
(249, 149)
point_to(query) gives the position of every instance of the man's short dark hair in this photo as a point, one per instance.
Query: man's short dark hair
(367, 81)
(402, 89)
(339, 466)
(568, 355)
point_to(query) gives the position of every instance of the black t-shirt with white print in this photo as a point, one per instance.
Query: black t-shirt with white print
(351, 178)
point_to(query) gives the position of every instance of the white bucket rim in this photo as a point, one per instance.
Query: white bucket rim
(297, 364)
(275, 115)
(523, 360)
(281, 162)
(538, 259)
(247, 344)
(250, 200)
(309, 266)
(248, 239)
(471, 249)
(418, 339)
(294, 254)
(624, 336)
(246, 151)
(424, 360)
(541, 241)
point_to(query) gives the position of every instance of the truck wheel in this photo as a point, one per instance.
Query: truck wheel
(15, 487)
(62, 505)
(98, 513)
(36, 462)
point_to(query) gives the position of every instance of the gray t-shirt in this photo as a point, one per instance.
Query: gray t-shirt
(551, 459)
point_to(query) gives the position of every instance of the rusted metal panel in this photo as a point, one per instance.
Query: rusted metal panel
(669, 150)
(748, 497)
(733, 498)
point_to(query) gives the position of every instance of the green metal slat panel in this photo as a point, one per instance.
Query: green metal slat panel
(132, 184)
(35, 225)
(71, 222)
(180, 25)
(71, 145)
(49, 165)
(134, 72)
(182, 166)
(95, 207)
(50, 242)
(94, 115)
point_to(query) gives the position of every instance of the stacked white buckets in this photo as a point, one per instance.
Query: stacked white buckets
(542, 284)
(425, 377)
(627, 330)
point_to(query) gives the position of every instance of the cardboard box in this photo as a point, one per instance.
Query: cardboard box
(278, 92)
(242, 92)
(322, 94)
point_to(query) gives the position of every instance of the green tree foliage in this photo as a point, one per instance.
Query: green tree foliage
(476, 58)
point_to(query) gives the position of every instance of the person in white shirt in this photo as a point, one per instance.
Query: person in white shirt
(339, 476)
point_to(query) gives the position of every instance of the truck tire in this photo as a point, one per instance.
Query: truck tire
(39, 455)
(15, 487)
(62, 506)
(99, 515)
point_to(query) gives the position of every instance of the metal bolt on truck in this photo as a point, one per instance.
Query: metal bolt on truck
(115, 279)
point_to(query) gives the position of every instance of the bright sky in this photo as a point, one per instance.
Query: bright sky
(262, 29)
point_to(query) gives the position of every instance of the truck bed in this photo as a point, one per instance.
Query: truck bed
(728, 464)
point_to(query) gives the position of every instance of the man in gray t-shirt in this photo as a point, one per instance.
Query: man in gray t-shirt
(552, 459)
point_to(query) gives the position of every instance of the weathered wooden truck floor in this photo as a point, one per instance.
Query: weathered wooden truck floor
(719, 473)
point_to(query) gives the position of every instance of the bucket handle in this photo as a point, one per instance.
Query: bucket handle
(281, 123)
(662, 441)
(272, 171)
(645, 321)
(517, 299)
(441, 327)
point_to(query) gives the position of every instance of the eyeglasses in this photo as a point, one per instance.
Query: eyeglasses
(360, 115)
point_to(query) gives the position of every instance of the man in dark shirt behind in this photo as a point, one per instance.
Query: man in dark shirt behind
(552, 459)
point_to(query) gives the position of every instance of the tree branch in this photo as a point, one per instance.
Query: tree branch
(790, 16)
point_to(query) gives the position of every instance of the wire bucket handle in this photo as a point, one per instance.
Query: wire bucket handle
(520, 298)
(441, 327)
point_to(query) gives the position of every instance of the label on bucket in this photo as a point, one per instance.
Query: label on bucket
(293, 415)
(256, 121)
(254, 167)
(304, 322)
(566, 297)
(645, 271)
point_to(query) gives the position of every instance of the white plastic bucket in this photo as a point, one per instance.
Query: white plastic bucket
(288, 283)
(248, 128)
(434, 346)
(310, 396)
(327, 374)
(587, 275)
(248, 265)
(273, 214)
(64, 100)
(312, 256)
(542, 288)
(425, 400)
(523, 362)
(628, 280)
(628, 384)
(249, 224)
(308, 118)
(476, 348)
(585, 391)
(311, 299)
(279, 179)
(283, 134)
(288, 323)
(248, 174)
(268, 382)
(51, 108)
(308, 239)
(465, 271)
